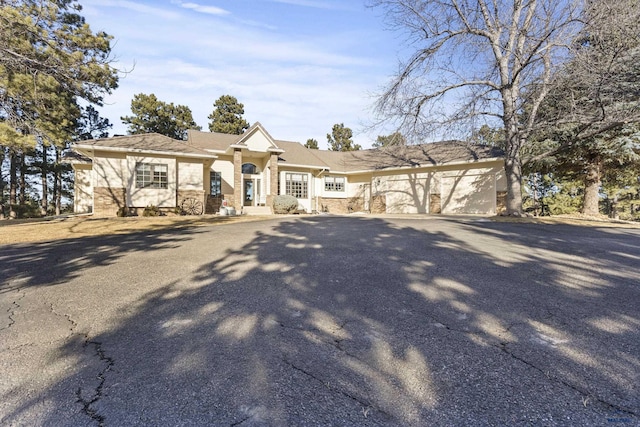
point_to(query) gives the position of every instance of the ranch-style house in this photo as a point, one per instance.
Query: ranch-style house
(247, 171)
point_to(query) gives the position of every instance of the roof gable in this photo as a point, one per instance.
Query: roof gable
(257, 139)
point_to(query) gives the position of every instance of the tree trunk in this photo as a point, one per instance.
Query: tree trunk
(22, 195)
(592, 188)
(514, 188)
(57, 183)
(2, 182)
(13, 183)
(43, 174)
(13, 178)
(512, 166)
(613, 212)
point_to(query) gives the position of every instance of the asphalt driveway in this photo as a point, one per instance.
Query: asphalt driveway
(328, 321)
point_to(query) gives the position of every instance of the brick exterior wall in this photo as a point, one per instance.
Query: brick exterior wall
(378, 204)
(273, 184)
(341, 206)
(230, 198)
(237, 180)
(435, 204)
(213, 204)
(107, 201)
(501, 202)
(192, 194)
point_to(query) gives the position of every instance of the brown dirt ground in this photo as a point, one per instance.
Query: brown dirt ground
(46, 230)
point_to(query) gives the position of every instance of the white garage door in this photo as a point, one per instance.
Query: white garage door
(469, 194)
(407, 196)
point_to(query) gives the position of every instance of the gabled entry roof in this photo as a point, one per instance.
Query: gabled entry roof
(255, 139)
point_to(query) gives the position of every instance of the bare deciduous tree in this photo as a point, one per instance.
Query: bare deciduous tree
(491, 58)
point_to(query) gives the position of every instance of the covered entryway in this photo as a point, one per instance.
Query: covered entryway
(248, 192)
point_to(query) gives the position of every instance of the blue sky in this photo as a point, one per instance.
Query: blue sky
(298, 66)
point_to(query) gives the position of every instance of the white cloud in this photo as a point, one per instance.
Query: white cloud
(296, 84)
(134, 7)
(312, 3)
(211, 10)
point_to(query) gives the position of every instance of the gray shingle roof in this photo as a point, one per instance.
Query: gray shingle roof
(148, 142)
(297, 154)
(211, 140)
(437, 153)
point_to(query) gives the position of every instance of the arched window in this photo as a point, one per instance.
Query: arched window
(249, 168)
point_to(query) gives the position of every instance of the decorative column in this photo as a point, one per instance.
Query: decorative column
(238, 198)
(273, 175)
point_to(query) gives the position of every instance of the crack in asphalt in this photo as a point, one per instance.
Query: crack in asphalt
(74, 324)
(97, 395)
(241, 421)
(12, 312)
(503, 346)
(356, 399)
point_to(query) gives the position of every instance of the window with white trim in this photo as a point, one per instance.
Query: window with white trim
(296, 185)
(334, 183)
(216, 184)
(152, 175)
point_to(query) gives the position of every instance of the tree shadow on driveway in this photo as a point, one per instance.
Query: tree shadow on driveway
(358, 321)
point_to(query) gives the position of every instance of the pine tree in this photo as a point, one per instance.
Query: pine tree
(152, 115)
(49, 59)
(340, 139)
(311, 143)
(227, 116)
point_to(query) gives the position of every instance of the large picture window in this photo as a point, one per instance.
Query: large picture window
(297, 185)
(334, 183)
(216, 184)
(152, 175)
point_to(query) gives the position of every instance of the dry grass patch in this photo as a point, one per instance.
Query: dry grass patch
(579, 220)
(27, 231)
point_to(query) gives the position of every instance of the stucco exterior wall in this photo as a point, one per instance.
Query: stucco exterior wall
(224, 165)
(83, 189)
(190, 175)
(111, 170)
(258, 142)
(160, 197)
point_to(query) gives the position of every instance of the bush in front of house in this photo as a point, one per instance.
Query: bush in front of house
(151, 210)
(285, 204)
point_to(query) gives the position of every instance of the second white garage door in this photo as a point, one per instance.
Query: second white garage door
(469, 194)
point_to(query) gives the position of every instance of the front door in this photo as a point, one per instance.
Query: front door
(248, 192)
